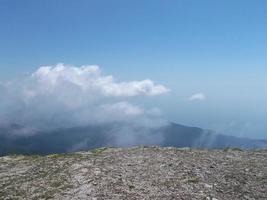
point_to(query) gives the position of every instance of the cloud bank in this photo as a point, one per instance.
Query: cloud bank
(62, 95)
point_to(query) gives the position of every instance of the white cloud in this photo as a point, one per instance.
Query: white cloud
(90, 79)
(197, 97)
(61, 95)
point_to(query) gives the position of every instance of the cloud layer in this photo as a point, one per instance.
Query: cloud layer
(60, 95)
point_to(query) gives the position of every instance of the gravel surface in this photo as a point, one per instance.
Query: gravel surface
(137, 173)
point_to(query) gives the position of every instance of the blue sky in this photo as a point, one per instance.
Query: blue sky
(217, 48)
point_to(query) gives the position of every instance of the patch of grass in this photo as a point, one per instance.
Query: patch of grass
(98, 150)
(66, 186)
(57, 155)
(56, 184)
(44, 174)
(64, 155)
(131, 187)
(45, 195)
(232, 149)
(237, 149)
(194, 179)
(31, 157)
(21, 193)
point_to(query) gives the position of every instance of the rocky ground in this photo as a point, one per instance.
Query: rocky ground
(137, 173)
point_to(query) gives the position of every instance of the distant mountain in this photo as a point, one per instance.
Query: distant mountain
(15, 138)
(55, 141)
(183, 136)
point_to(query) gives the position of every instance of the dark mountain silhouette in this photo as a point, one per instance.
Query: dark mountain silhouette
(12, 141)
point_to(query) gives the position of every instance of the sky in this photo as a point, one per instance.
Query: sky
(209, 56)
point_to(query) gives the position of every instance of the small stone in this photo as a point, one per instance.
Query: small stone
(208, 186)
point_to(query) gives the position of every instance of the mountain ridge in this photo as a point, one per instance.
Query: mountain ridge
(16, 139)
